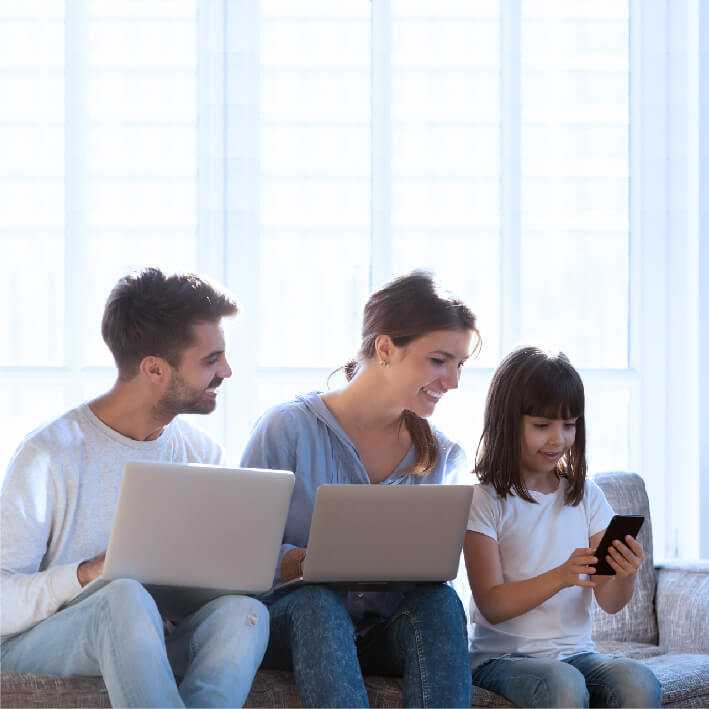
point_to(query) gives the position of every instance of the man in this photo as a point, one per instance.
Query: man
(59, 496)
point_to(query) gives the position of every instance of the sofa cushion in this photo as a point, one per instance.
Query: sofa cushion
(635, 651)
(636, 622)
(684, 679)
(682, 603)
(271, 688)
(20, 689)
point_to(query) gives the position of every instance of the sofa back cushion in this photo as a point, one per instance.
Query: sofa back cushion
(636, 622)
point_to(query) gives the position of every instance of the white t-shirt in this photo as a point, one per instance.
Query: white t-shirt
(533, 539)
(57, 503)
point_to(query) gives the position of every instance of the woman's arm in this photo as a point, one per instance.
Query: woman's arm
(614, 592)
(499, 601)
(272, 445)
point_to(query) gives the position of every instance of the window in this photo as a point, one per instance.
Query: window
(304, 153)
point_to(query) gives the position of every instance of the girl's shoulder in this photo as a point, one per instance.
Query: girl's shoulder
(485, 495)
(598, 510)
(486, 511)
(592, 493)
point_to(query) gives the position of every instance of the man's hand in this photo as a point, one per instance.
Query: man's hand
(90, 569)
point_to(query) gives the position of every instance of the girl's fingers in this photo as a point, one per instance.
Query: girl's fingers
(628, 554)
(586, 558)
(635, 547)
(620, 563)
(585, 582)
(585, 569)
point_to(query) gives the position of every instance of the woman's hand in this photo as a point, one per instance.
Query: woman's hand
(292, 564)
(581, 561)
(625, 557)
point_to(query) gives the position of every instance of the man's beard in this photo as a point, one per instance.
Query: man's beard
(181, 399)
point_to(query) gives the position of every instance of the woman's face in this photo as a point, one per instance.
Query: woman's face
(421, 372)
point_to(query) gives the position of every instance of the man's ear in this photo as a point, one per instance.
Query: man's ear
(384, 348)
(156, 369)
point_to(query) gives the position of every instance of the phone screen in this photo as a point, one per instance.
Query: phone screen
(619, 526)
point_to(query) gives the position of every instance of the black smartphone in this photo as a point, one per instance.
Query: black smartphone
(619, 526)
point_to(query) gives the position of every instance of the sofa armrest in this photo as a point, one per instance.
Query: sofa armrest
(682, 606)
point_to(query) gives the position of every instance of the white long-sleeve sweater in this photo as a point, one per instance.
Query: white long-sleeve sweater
(57, 503)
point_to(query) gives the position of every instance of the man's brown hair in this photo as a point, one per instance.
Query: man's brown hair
(149, 313)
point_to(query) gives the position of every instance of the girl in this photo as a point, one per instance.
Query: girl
(373, 431)
(534, 523)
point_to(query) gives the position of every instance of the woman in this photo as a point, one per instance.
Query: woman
(372, 431)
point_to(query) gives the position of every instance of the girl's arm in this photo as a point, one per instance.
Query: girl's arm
(499, 601)
(614, 592)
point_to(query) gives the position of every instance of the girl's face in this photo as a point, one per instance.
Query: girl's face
(544, 441)
(424, 370)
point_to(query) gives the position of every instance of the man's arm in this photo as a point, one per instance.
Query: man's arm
(26, 509)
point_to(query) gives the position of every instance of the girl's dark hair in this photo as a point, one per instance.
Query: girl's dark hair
(151, 313)
(407, 308)
(530, 382)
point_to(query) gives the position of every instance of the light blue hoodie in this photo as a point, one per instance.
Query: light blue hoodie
(303, 436)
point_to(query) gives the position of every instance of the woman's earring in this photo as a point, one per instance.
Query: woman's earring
(382, 363)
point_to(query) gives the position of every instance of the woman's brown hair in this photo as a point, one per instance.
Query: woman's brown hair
(531, 382)
(407, 308)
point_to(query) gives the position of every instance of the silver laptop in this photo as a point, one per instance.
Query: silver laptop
(370, 536)
(191, 533)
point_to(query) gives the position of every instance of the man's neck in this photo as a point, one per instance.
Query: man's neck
(128, 411)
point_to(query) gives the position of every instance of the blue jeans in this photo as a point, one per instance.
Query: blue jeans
(586, 679)
(424, 641)
(117, 632)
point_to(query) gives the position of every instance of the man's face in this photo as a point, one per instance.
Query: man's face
(192, 387)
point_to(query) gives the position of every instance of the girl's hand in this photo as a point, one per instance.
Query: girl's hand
(625, 558)
(581, 561)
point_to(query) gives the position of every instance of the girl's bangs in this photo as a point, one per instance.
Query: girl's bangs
(553, 392)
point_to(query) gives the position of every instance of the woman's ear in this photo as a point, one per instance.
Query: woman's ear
(384, 348)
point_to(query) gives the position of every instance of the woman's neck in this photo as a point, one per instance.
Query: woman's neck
(376, 431)
(362, 405)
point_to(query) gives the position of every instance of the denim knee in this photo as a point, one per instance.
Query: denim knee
(126, 613)
(230, 606)
(634, 685)
(319, 602)
(438, 603)
(127, 598)
(223, 614)
(565, 686)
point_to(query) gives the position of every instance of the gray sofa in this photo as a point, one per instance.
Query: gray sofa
(666, 625)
